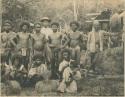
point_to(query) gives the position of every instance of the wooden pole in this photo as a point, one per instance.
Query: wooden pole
(74, 9)
(0, 29)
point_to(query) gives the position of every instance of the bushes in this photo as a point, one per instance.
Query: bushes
(101, 87)
(11, 88)
(111, 61)
(46, 86)
(85, 59)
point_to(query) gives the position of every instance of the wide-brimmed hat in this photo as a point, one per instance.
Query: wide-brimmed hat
(45, 18)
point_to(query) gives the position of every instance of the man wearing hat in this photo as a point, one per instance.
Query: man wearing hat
(46, 29)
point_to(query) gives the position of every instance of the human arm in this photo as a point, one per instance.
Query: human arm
(66, 40)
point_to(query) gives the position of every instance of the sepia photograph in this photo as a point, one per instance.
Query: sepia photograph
(62, 47)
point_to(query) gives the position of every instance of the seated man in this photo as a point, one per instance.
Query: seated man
(18, 73)
(38, 70)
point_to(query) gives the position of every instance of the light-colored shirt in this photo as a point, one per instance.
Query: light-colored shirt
(92, 39)
(38, 70)
(66, 74)
(62, 65)
(46, 31)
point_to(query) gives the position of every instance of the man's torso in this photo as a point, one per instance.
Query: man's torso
(39, 40)
(74, 39)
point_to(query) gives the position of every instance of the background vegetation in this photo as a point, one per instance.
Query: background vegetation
(58, 10)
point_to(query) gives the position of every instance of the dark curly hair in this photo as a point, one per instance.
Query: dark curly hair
(66, 51)
(75, 22)
(25, 23)
(55, 23)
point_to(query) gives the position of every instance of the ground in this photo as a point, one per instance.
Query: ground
(104, 86)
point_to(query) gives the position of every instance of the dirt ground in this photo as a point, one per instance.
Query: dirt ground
(87, 87)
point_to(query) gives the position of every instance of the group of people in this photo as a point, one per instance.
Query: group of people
(46, 53)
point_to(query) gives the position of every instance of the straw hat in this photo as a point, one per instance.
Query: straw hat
(45, 18)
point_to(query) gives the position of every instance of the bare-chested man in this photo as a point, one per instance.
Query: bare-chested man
(55, 39)
(56, 45)
(23, 45)
(39, 41)
(7, 40)
(75, 39)
(7, 47)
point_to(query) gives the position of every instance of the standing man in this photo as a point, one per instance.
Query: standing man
(47, 31)
(8, 42)
(95, 42)
(76, 38)
(7, 48)
(23, 44)
(56, 44)
(46, 27)
(38, 42)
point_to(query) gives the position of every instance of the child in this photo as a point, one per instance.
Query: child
(67, 82)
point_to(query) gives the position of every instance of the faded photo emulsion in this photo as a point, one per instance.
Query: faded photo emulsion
(62, 47)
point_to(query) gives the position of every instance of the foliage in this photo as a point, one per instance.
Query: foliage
(11, 88)
(46, 86)
(34, 10)
(111, 61)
